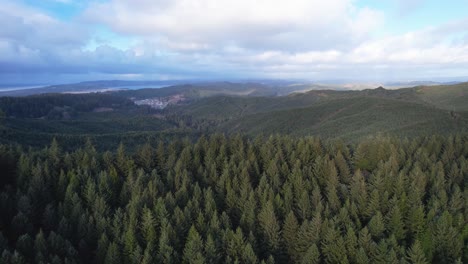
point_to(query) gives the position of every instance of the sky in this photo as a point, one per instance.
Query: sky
(52, 41)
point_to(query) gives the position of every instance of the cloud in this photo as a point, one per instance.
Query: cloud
(307, 39)
(31, 40)
(406, 7)
(35, 30)
(260, 25)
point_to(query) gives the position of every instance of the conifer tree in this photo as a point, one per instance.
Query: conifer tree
(40, 247)
(248, 255)
(193, 251)
(312, 255)
(113, 254)
(416, 255)
(269, 227)
(211, 250)
(289, 233)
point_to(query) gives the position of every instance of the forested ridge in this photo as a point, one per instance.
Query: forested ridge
(51, 106)
(109, 118)
(278, 199)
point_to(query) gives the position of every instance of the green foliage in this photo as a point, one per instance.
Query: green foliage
(110, 118)
(193, 251)
(416, 254)
(54, 106)
(348, 115)
(113, 254)
(312, 255)
(270, 228)
(235, 200)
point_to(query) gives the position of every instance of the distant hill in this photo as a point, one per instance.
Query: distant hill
(449, 97)
(225, 107)
(343, 114)
(351, 118)
(202, 90)
(92, 86)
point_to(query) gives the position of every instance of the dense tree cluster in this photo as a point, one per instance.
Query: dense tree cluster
(53, 106)
(236, 200)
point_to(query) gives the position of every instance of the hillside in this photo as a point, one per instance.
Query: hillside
(450, 97)
(201, 90)
(337, 114)
(352, 118)
(325, 175)
(233, 108)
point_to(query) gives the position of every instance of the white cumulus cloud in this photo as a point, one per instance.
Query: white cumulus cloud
(262, 24)
(311, 39)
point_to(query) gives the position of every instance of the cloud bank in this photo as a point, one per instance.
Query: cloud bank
(306, 39)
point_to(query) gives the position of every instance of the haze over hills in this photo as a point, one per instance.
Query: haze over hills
(282, 86)
(226, 107)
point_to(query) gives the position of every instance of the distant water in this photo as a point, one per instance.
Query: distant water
(8, 88)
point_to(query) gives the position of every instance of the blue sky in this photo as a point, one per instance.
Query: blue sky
(52, 41)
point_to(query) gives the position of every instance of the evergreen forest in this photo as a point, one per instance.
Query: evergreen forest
(237, 199)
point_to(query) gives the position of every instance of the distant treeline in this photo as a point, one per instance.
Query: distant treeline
(237, 200)
(53, 105)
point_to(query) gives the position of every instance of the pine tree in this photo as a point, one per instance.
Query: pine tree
(333, 248)
(211, 250)
(148, 254)
(365, 241)
(136, 256)
(145, 157)
(54, 153)
(234, 244)
(449, 242)
(358, 191)
(248, 255)
(343, 168)
(40, 247)
(312, 255)
(396, 224)
(361, 256)
(303, 205)
(289, 233)
(166, 251)
(381, 254)
(130, 240)
(270, 227)
(416, 255)
(101, 250)
(416, 220)
(351, 243)
(376, 225)
(193, 251)
(148, 224)
(113, 254)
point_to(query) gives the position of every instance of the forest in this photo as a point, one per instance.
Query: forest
(233, 132)
(237, 199)
(51, 106)
(108, 118)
